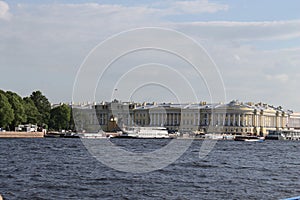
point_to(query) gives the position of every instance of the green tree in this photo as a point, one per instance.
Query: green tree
(43, 106)
(60, 117)
(17, 105)
(6, 111)
(71, 123)
(31, 111)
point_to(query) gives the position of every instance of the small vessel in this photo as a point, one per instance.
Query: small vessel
(219, 136)
(99, 135)
(275, 135)
(249, 138)
(214, 136)
(70, 135)
(54, 135)
(145, 132)
(284, 135)
(293, 198)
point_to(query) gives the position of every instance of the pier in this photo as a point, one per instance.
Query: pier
(13, 134)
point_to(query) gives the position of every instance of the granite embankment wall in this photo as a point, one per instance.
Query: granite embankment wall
(11, 134)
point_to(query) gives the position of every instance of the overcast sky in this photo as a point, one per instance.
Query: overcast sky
(254, 44)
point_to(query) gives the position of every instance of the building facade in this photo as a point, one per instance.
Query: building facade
(230, 118)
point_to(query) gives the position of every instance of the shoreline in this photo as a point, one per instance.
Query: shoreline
(14, 134)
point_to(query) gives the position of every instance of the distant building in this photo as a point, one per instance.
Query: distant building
(112, 116)
(26, 128)
(233, 118)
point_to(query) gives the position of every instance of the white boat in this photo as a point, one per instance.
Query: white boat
(249, 138)
(214, 136)
(275, 135)
(218, 136)
(100, 135)
(145, 132)
(284, 135)
(292, 134)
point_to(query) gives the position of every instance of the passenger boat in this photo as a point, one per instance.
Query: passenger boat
(249, 138)
(100, 135)
(145, 132)
(284, 135)
(214, 136)
(218, 136)
(291, 134)
(70, 135)
(275, 135)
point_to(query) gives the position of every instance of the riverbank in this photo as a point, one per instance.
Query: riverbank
(13, 134)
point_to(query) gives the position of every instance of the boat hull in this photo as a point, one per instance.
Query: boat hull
(93, 136)
(249, 138)
(146, 133)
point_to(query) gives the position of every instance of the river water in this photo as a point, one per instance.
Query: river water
(55, 168)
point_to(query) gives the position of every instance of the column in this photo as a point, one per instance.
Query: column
(256, 120)
(173, 119)
(234, 121)
(239, 120)
(228, 119)
(152, 119)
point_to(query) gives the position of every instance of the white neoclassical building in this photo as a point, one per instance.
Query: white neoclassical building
(234, 117)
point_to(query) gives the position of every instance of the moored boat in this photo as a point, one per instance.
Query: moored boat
(219, 136)
(275, 135)
(54, 135)
(99, 135)
(145, 132)
(71, 135)
(284, 135)
(249, 138)
(214, 136)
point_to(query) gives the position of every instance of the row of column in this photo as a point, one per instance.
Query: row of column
(223, 119)
(158, 119)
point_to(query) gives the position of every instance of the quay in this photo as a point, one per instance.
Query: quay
(15, 134)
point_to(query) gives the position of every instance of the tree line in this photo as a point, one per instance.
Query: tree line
(34, 109)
